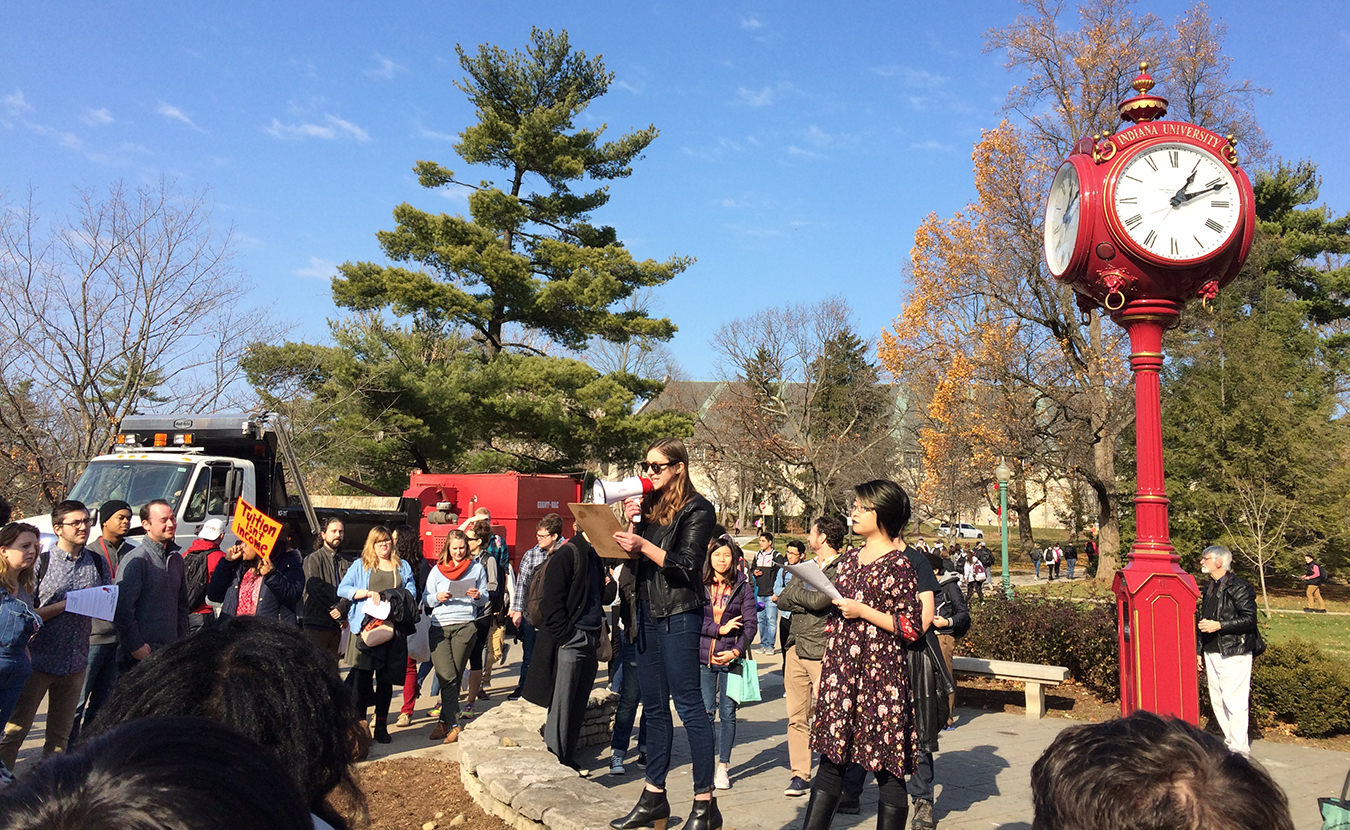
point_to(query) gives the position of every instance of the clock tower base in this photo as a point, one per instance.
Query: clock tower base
(1155, 598)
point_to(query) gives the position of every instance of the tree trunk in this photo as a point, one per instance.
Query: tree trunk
(1265, 597)
(1103, 478)
(1025, 535)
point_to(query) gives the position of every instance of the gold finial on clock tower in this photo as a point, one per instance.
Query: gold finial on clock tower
(1142, 106)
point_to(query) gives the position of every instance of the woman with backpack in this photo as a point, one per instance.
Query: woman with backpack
(951, 621)
(481, 658)
(669, 540)
(975, 574)
(1053, 556)
(729, 627)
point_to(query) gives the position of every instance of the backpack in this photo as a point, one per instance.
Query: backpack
(45, 560)
(1049, 556)
(986, 557)
(534, 594)
(978, 572)
(197, 571)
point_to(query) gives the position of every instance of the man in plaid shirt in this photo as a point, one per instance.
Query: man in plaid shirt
(548, 536)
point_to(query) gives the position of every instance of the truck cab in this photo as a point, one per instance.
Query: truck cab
(201, 465)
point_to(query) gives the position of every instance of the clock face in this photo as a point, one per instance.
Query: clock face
(1063, 213)
(1176, 202)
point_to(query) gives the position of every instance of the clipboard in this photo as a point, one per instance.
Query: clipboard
(600, 524)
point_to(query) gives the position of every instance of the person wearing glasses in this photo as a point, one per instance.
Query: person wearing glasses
(548, 536)
(865, 708)
(59, 651)
(669, 539)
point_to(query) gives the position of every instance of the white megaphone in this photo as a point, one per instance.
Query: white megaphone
(609, 492)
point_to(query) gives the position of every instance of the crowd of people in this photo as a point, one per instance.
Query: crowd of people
(867, 666)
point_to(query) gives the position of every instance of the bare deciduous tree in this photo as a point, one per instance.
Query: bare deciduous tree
(129, 303)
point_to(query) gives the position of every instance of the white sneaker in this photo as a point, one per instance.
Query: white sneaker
(721, 780)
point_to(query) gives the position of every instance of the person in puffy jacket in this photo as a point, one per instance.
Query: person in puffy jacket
(248, 584)
(729, 627)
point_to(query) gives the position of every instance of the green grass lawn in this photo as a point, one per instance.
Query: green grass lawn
(1331, 634)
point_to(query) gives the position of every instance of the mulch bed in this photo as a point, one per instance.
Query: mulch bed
(421, 794)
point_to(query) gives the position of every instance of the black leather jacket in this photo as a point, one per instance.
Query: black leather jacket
(677, 586)
(1232, 602)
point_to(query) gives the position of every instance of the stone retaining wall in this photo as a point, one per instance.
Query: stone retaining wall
(508, 771)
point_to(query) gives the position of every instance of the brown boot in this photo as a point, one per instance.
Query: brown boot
(360, 739)
(437, 732)
(452, 736)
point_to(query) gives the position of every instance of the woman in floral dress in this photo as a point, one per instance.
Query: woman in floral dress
(864, 709)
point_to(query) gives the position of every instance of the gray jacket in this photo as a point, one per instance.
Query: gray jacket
(152, 600)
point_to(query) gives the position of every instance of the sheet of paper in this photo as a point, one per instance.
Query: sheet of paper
(460, 587)
(599, 524)
(99, 603)
(375, 609)
(810, 573)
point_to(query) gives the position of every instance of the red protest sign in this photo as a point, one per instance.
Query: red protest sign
(256, 528)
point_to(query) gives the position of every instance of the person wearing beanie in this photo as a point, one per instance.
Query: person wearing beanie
(114, 521)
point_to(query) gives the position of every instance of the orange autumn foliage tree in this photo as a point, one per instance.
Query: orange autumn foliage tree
(1010, 366)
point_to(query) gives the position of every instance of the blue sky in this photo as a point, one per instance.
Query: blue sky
(800, 146)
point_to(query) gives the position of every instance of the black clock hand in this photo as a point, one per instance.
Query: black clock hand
(1191, 196)
(1181, 195)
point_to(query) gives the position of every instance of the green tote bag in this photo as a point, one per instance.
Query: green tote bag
(743, 681)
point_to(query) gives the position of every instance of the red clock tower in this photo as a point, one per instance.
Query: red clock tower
(1139, 223)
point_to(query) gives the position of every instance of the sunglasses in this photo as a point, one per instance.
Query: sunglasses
(654, 467)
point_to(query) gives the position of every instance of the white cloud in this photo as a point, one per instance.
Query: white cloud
(15, 103)
(174, 114)
(756, 97)
(68, 140)
(627, 87)
(95, 118)
(818, 137)
(333, 128)
(386, 69)
(423, 132)
(933, 145)
(319, 269)
(794, 150)
(349, 128)
(751, 23)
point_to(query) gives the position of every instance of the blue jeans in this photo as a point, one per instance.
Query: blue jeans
(15, 669)
(1070, 563)
(668, 671)
(98, 684)
(715, 694)
(1037, 563)
(630, 693)
(768, 624)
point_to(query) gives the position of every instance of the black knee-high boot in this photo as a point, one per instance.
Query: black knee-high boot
(820, 810)
(892, 816)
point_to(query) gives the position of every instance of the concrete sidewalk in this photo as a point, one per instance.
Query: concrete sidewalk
(983, 770)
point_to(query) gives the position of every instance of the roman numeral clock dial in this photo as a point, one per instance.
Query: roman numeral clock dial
(1176, 202)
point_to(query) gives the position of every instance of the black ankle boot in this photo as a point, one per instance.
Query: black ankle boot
(382, 731)
(704, 816)
(652, 809)
(892, 817)
(820, 810)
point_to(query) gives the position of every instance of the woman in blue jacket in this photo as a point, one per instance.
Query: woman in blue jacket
(380, 569)
(729, 626)
(454, 627)
(18, 622)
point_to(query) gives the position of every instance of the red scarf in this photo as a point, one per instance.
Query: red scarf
(452, 571)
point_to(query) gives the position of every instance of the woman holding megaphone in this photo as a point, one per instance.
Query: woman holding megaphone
(669, 539)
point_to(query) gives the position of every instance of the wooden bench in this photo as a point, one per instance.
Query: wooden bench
(1034, 675)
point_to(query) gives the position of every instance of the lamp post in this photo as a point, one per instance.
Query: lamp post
(1004, 475)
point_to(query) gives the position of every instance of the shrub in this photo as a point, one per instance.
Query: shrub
(1081, 636)
(1297, 683)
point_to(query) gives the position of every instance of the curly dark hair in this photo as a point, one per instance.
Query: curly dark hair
(265, 680)
(169, 773)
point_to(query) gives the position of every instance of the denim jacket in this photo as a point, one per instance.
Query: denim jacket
(18, 624)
